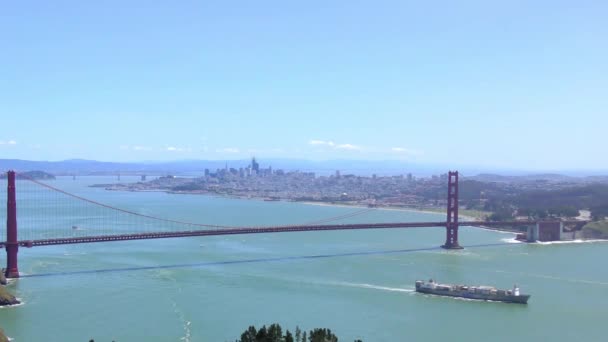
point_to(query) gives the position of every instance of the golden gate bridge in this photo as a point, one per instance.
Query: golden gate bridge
(47, 224)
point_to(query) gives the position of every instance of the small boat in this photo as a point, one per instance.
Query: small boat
(472, 292)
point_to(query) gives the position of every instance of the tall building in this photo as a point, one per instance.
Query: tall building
(254, 165)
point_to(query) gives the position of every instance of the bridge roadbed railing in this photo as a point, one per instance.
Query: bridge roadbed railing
(229, 231)
(258, 230)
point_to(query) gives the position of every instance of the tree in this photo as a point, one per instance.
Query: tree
(567, 211)
(599, 212)
(524, 212)
(275, 333)
(262, 335)
(503, 214)
(541, 214)
(322, 335)
(249, 335)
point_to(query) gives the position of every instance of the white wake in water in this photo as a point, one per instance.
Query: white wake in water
(372, 287)
(568, 242)
(167, 275)
(14, 305)
(510, 240)
(186, 338)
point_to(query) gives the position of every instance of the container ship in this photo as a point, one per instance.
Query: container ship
(472, 292)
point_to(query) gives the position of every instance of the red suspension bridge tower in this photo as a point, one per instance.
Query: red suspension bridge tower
(451, 225)
(12, 244)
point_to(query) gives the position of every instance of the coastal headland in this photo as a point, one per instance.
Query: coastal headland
(3, 337)
(5, 297)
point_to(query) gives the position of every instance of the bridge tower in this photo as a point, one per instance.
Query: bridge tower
(12, 244)
(451, 239)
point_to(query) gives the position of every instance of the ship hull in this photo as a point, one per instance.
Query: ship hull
(521, 299)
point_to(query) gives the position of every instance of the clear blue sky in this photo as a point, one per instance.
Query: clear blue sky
(518, 84)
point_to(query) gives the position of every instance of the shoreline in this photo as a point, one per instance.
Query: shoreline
(344, 205)
(318, 203)
(388, 208)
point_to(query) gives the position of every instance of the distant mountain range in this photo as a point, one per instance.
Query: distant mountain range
(551, 177)
(91, 167)
(325, 167)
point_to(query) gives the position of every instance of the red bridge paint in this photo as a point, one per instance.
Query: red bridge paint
(12, 245)
(258, 230)
(451, 225)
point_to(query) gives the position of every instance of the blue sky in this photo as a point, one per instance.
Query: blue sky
(518, 84)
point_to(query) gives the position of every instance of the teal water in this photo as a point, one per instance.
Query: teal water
(358, 283)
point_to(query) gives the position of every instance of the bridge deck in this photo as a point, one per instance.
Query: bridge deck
(254, 230)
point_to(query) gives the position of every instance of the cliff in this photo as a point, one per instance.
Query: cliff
(3, 337)
(6, 298)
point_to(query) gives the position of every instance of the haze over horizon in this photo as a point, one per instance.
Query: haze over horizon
(511, 85)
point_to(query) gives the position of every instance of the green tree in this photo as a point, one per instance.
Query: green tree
(249, 335)
(288, 337)
(524, 212)
(322, 335)
(541, 214)
(275, 333)
(262, 335)
(599, 212)
(299, 334)
(502, 214)
(568, 211)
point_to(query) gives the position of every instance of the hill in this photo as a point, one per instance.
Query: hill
(596, 230)
(31, 175)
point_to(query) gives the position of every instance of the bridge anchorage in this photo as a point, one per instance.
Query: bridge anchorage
(106, 230)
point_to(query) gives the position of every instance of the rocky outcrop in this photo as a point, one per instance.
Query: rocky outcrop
(6, 298)
(2, 278)
(3, 337)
